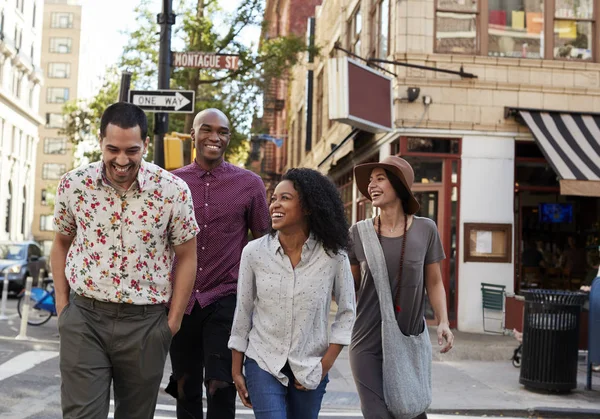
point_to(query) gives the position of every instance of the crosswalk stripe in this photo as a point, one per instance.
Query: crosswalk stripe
(24, 362)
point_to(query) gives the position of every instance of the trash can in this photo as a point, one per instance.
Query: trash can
(550, 339)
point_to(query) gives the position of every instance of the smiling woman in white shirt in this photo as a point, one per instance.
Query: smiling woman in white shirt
(285, 285)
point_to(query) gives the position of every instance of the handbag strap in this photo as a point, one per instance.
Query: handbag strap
(377, 266)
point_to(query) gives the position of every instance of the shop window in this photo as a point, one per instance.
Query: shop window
(345, 184)
(55, 120)
(515, 29)
(420, 145)
(456, 22)
(560, 29)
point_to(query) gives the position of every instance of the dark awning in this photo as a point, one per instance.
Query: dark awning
(343, 148)
(571, 143)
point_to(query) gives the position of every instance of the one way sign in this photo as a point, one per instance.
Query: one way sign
(170, 101)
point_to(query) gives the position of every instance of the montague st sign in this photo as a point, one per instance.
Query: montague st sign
(205, 60)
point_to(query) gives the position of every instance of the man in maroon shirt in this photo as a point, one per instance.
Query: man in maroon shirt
(228, 201)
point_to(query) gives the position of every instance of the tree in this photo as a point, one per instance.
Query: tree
(236, 92)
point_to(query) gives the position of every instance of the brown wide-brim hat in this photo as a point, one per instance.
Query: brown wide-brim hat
(398, 167)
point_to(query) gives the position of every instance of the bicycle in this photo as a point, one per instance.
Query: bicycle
(42, 305)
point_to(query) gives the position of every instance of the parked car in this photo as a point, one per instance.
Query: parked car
(18, 260)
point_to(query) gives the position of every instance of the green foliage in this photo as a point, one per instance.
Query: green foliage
(237, 93)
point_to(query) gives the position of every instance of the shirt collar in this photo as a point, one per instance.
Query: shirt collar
(309, 244)
(217, 170)
(98, 174)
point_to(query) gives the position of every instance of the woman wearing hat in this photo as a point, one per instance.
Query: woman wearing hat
(411, 251)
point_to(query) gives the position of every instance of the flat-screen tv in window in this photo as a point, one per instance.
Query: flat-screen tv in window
(556, 213)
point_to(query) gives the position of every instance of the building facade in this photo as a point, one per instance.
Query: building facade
(60, 63)
(270, 132)
(20, 85)
(498, 172)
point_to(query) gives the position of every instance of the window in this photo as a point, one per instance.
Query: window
(60, 45)
(55, 120)
(573, 21)
(47, 197)
(57, 94)
(62, 20)
(53, 171)
(46, 223)
(8, 208)
(24, 210)
(34, 13)
(18, 38)
(319, 108)
(59, 70)
(380, 24)
(21, 5)
(354, 30)
(55, 145)
(299, 147)
(456, 23)
(560, 29)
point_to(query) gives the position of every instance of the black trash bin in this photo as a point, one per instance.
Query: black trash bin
(550, 340)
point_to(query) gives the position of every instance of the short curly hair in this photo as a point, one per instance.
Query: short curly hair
(321, 200)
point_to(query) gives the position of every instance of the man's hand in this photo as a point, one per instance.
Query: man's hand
(240, 385)
(60, 306)
(444, 333)
(174, 325)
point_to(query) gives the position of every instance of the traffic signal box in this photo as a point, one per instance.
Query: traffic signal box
(179, 150)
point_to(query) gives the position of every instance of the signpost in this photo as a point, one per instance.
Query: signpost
(169, 101)
(196, 59)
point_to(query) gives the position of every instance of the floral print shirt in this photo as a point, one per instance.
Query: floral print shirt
(122, 249)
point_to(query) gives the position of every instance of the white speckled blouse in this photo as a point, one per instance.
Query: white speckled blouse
(282, 313)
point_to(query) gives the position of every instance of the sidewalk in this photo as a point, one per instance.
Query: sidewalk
(477, 377)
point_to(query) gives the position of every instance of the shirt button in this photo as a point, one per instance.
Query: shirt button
(202, 247)
(205, 226)
(208, 184)
(206, 205)
(199, 269)
(197, 290)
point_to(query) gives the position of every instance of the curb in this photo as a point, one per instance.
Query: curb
(535, 412)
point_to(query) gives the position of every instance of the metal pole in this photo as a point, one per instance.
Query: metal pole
(25, 313)
(3, 315)
(125, 85)
(161, 120)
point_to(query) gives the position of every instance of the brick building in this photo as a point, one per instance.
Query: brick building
(493, 169)
(283, 18)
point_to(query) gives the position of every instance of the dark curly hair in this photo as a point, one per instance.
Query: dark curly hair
(321, 200)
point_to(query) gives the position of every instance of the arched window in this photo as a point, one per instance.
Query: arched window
(24, 210)
(8, 207)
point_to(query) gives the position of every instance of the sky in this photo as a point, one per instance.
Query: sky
(102, 36)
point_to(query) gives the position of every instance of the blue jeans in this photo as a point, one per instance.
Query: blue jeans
(272, 400)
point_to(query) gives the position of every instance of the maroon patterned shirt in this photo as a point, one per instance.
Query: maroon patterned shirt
(228, 201)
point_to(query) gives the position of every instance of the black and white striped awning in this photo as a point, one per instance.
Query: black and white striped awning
(571, 144)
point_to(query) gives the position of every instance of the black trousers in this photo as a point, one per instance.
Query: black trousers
(199, 354)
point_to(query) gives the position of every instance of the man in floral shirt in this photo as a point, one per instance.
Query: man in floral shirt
(119, 222)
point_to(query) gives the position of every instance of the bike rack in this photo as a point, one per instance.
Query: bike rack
(25, 317)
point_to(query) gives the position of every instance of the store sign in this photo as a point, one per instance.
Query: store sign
(205, 60)
(359, 96)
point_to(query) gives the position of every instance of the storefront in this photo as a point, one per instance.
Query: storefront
(557, 200)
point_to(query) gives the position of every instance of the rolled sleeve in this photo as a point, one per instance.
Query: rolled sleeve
(183, 226)
(246, 294)
(341, 328)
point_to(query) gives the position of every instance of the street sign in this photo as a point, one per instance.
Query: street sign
(196, 59)
(169, 101)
